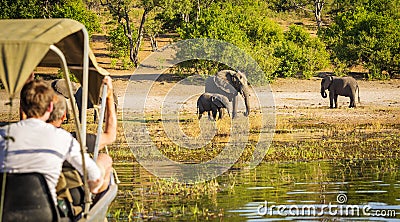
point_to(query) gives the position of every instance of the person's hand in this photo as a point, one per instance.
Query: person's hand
(95, 185)
(108, 81)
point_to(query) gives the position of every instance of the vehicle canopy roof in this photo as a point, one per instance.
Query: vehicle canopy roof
(25, 45)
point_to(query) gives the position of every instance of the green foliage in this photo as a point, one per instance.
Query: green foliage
(119, 44)
(75, 9)
(301, 54)
(72, 77)
(340, 68)
(153, 26)
(11, 9)
(277, 53)
(236, 24)
(362, 36)
(382, 7)
(280, 5)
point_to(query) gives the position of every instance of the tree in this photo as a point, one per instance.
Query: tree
(120, 10)
(367, 36)
(238, 25)
(316, 9)
(301, 54)
(153, 27)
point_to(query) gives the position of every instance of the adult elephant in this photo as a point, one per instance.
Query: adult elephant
(60, 86)
(340, 86)
(229, 83)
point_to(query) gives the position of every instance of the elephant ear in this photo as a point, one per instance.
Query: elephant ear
(217, 101)
(327, 82)
(224, 81)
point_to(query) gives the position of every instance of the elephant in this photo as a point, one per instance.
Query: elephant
(340, 86)
(212, 102)
(78, 99)
(229, 83)
(59, 85)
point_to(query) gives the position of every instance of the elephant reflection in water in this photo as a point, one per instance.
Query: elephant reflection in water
(230, 83)
(340, 86)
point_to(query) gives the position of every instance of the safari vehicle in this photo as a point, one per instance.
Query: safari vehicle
(63, 43)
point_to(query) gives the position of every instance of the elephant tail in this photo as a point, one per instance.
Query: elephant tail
(358, 91)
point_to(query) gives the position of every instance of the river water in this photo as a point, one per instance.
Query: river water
(362, 190)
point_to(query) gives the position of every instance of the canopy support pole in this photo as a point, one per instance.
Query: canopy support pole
(85, 80)
(81, 130)
(100, 124)
(70, 93)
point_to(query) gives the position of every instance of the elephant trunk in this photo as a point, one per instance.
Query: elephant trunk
(323, 93)
(246, 95)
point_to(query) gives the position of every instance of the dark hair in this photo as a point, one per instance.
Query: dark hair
(36, 97)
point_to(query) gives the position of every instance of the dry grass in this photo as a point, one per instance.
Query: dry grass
(301, 134)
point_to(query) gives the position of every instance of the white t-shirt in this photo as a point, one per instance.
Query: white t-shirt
(37, 146)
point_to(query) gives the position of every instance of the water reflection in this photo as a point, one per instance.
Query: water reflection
(242, 191)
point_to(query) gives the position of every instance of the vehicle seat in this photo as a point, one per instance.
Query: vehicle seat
(27, 198)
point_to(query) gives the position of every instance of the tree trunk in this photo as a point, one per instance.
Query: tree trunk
(135, 51)
(319, 4)
(198, 10)
(153, 41)
(130, 39)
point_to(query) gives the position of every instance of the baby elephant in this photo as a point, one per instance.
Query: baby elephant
(212, 102)
(340, 86)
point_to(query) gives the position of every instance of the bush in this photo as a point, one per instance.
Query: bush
(11, 9)
(72, 77)
(75, 9)
(301, 54)
(237, 24)
(119, 42)
(362, 36)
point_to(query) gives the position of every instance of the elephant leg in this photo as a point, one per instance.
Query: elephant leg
(335, 99)
(209, 115)
(68, 116)
(352, 102)
(95, 115)
(214, 114)
(331, 98)
(221, 113)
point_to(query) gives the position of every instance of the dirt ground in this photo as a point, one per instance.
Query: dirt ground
(287, 94)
